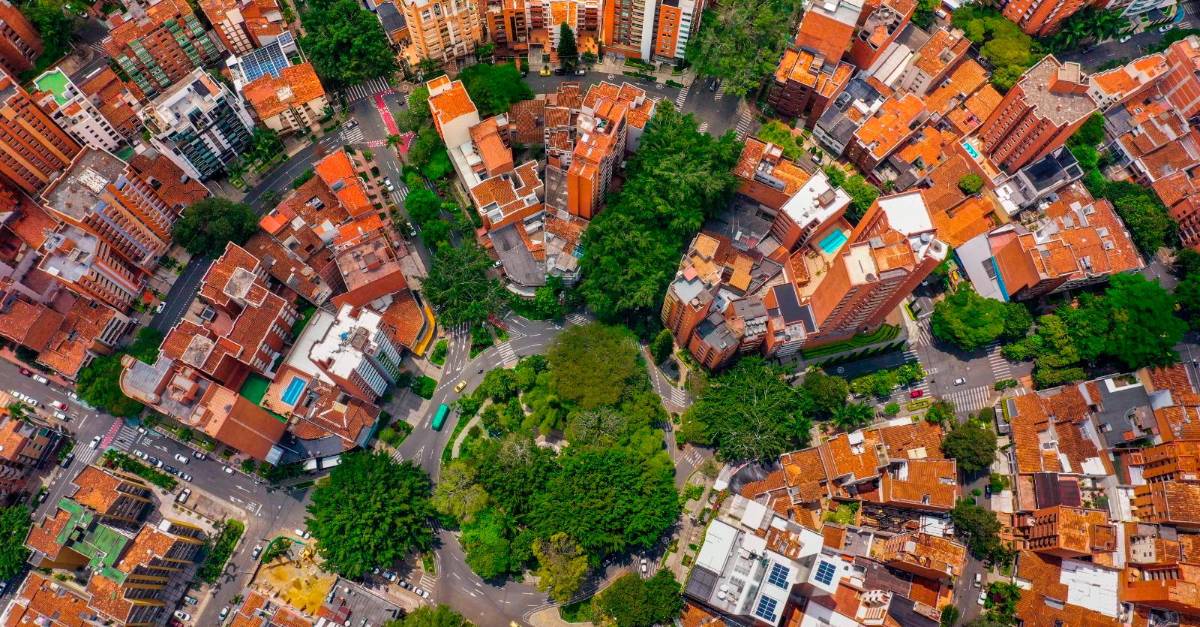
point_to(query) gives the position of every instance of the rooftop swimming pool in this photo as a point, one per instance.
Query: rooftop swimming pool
(832, 242)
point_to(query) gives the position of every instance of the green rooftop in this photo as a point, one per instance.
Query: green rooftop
(102, 545)
(54, 82)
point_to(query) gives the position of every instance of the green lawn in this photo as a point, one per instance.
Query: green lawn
(255, 388)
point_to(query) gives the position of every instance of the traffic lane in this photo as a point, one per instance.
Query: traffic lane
(183, 291)
(484, 603)
(81, 420)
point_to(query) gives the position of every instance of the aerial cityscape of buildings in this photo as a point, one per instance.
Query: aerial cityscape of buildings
(201, 220)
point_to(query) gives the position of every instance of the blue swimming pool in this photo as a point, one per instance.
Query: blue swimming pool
(292, 392)
(832, 242)
(970, 150)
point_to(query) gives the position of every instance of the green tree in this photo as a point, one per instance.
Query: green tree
(663, 346)
(853, 416)
(972, 444)
(1187, 292)
(98, 383)
(862, 196)
(486, 541)
(980, 529)
(208, 225)
(54, 25)
(949, 617)
(345, 42)
(457, 494)
(15, 522)
(145, 344)
(632, 247)
(371, 512)
(823, 393)
(591, 364)
(741, 41)
(750, 412)
(1007, 49)
(1134, 323)
(607, 500)
(568, 53)
(923, 16)
(547, 302)
(970, 184)
(460, 287)
(1002, 599)
(940, 412)
(431, 616)
(635, 602)
(971, 322)
(425, 149)
(562, 566)
(265, 145)
(602, 426)
(494, 88)
(513, 469)
(423, 205)
(416, 115)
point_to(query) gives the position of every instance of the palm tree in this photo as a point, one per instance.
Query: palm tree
(853, 416)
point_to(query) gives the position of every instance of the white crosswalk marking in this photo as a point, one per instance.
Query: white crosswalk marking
(682, 97)
(1001, 369)
(371, 87)
(507, 356)
(352, 135)
(400, 194)
(427, 582)
(577, 319)
(720, 92)
(678, 397)
(745, 125)
(971, 399)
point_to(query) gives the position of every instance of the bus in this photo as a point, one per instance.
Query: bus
(439, 418)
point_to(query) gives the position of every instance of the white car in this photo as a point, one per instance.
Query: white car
(40, 379)
(183, 459)
(645, 566)
(302, 533)
(183, 496)
(982, 597)
(1166, 27)
(59, 405)
(1124, 38)
(161, 306)
(182, 615)
(61, 416)
(959, 381)
(223, 613)
(94, 443)
(227, 469)
(140, 454)
(73, 396)
(33, 402)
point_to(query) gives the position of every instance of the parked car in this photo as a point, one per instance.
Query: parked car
(303, 533)
(66, 462)
(59, 405)
(223, 613)
(227, 470)
(199, 455)
(645, 565)
(26, 371)
(182, 615)
(171, 469)
(94, 443)
(31, 401)
(560, 71)
(61, 416)
(190, 600)
(154, 461)
(978, 579)
(183, 459)
(73, 396)
(186, 477)
(183, 495)
(916, 393)
(140, 454)
(545, 71)
(580, 72)
(982, 597)
(40, 379)
(1124, 38)
(161, 306)
(1165, 27)
(404, 584)
(256, 552)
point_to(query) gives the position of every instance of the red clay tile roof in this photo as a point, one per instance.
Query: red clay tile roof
(80, 330)
(43, 602)
(829, 37)
(337, 172)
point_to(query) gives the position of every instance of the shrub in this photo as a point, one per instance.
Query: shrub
(424, 386)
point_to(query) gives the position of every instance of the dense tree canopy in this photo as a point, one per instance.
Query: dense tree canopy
(1001, 42)
(972, 444)
(493, 88)
(460, 287)
(749, 412)
(568, 51)
(590, 364)
(345, 42)
(823, 393)
(208, 225)
(457, 494)
(981, 530)
(98, 384)
(635, 602)
(431, 616)
(606, 501)
(631, 249)
(971, 322)
(371, 513)
(54, 25)
(14, 526)
(562, 566)
(741, 41)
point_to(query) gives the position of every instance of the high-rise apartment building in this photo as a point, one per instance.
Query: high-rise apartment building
(200, 124)
(157, 47)
(73, 110)
(1040, 17)
(891, 250)
(1038, 115)
(811, 71)
(603, 131)
(243, 25)
(881, 26)
(33, 149)
(20, 44)
(442, 30)
(650, 29)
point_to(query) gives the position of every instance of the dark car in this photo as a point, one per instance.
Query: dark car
(26, 372)
(171, 469)
(66, 462)
(561, 71)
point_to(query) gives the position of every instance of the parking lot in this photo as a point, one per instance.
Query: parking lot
(367, 606)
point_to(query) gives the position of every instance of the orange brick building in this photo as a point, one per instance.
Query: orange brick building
(33, 149)
(20, 44)
(158, 48)
(1037, 115)
(1040, 17)
(243, 25)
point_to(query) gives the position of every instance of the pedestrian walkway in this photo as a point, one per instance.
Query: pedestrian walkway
(970, 400)
(745, 124)
(682, 97)
(373, 86)
(400, 194)
(577, 319)
(720, 93)
(1001, 369)
(351, 135)
(507, 356)
(704, 127)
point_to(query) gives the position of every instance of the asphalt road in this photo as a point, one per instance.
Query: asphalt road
(1138, 45)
